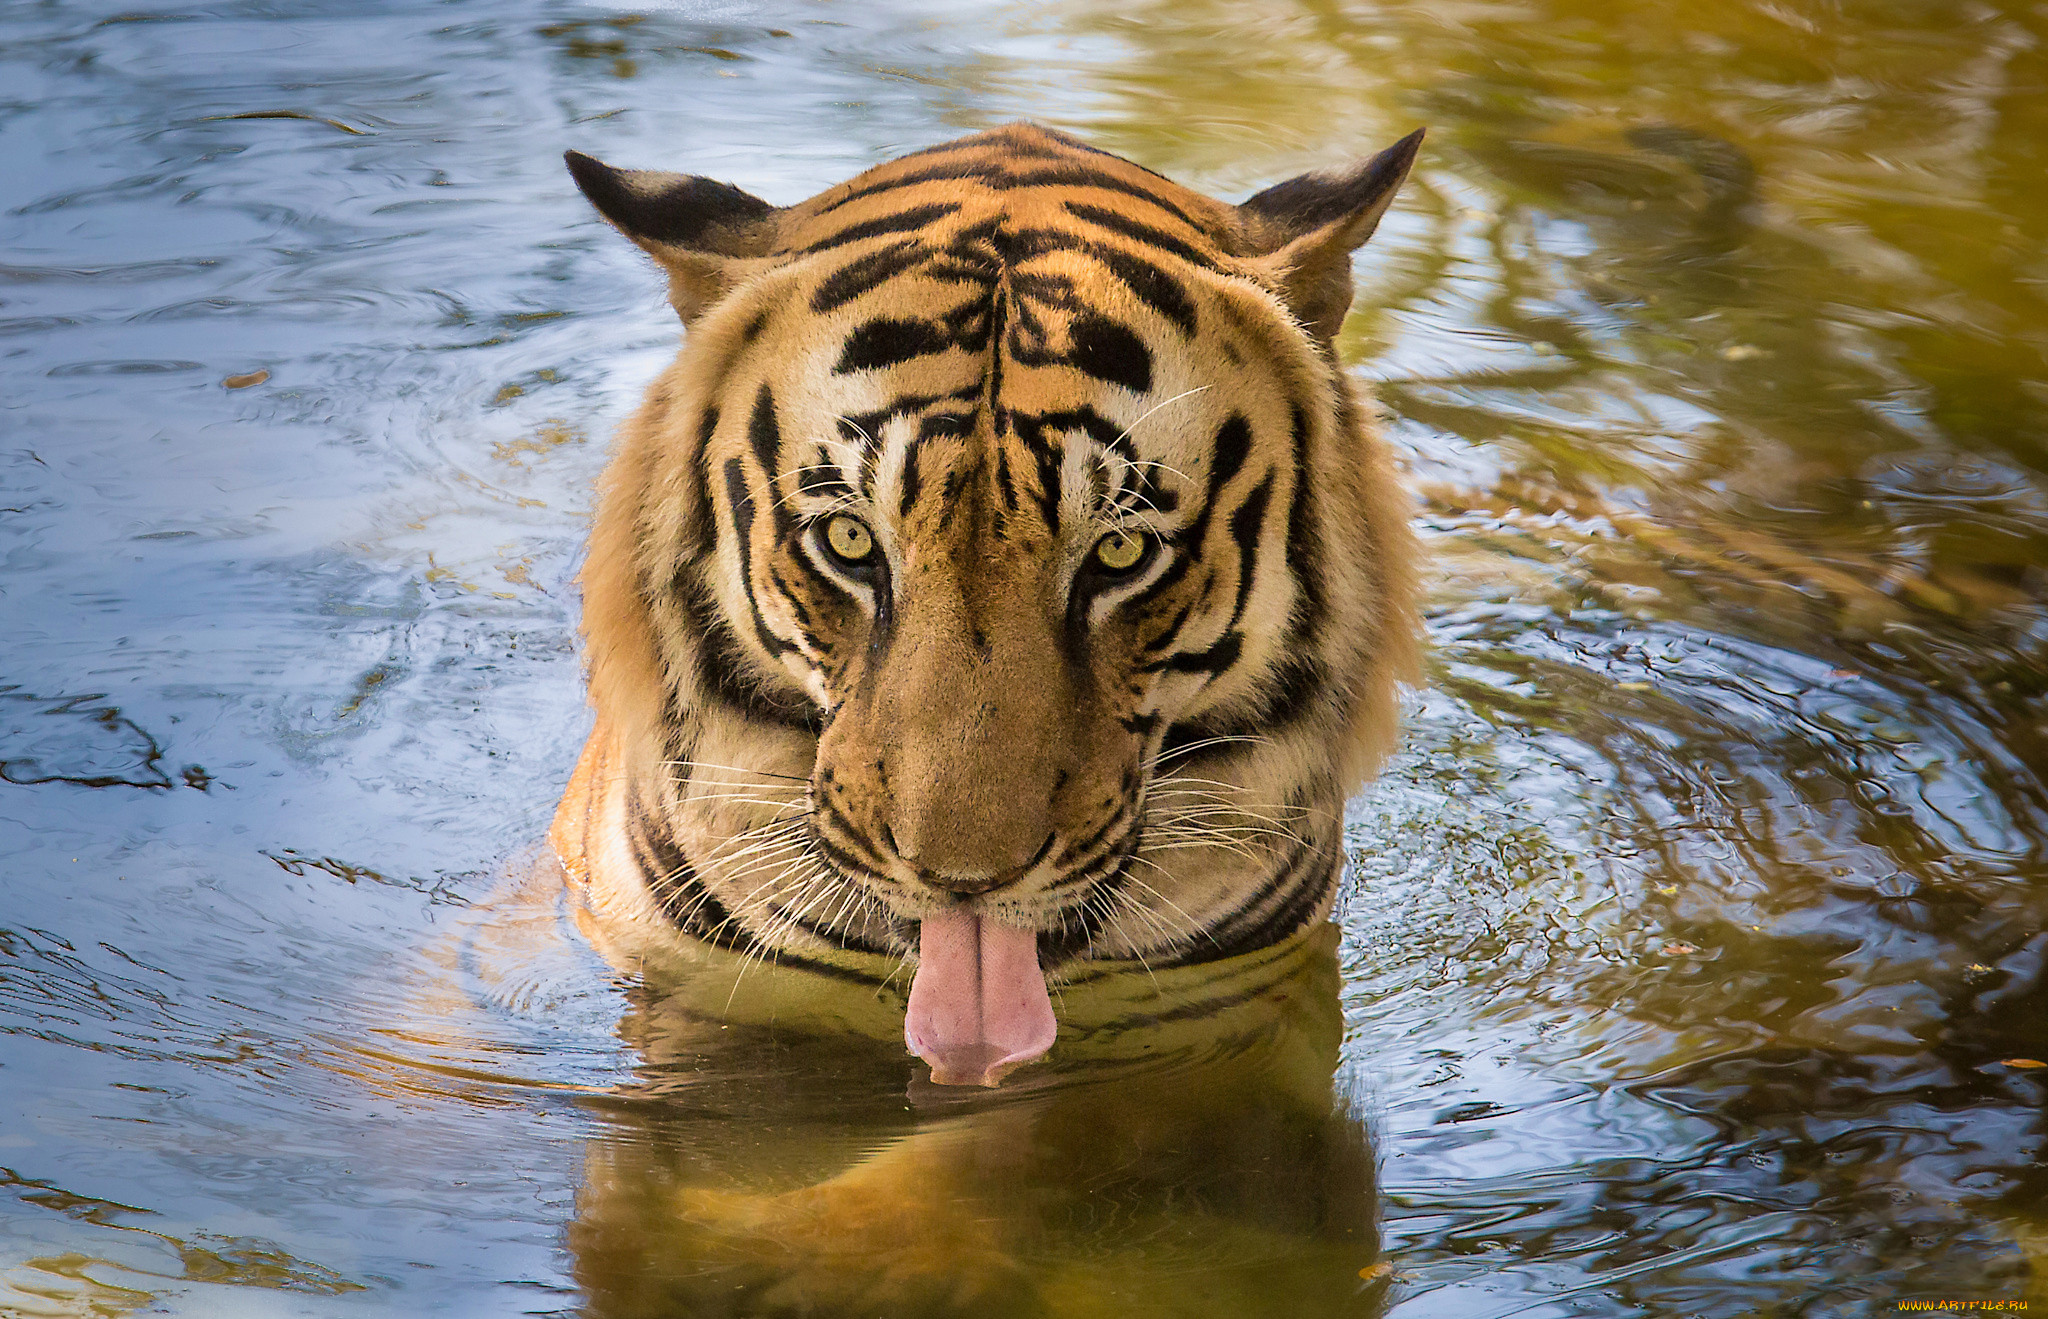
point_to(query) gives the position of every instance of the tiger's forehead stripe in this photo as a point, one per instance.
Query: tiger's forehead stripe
(917, 217)
(1015, 291)
(1003, 280)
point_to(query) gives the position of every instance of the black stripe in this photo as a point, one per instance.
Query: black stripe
(956, 425)
(1031, 428)
(1212, 661)
(974, 244)
(1117, 819)
(1298, 684)
(968, 322)
(917, 217)
(1151, 284)
(953, 490)
(1149, 493)
(694, 909)
(844, 860)
(995, 176)
(706, 539)
(959, 146)
(1183, 735)
(979, 149)
(656, 874)
(1055, 946)
(863, 427)
(1245, 525)
(1142, 492)
(936, 174)
(1049, 488)
(1045, 287)
(1309, 891)
(1186, 547)
(682, 893)
(885, 342)
(1233, 445)
(1112, 857)
(1109, 352)
(998, 319)
(911, 483)
(1096, 345)
(823, 476)
(765, 435)
(798, 614)
(866, 273)
(1076, 144)
(742, 505)
(1239, 931)
(1164, 641)
(1004, 484)
(1304, 546)
(1294, 688)
(1081, 176)
(847, 856)
(678, 739)
(723, 673)
(1148, 281)
(1119, 223)
(1299, 681)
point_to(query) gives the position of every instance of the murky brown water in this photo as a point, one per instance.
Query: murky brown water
(1697, 957)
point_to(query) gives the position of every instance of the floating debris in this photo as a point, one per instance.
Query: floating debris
(291, 114)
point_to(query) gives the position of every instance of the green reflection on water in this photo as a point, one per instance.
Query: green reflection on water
(78, 1283)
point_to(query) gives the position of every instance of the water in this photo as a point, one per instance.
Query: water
(1696, 960)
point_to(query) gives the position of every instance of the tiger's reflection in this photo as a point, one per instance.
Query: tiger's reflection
(1183, 1152)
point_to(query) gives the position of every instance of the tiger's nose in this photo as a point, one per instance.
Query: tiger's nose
(957, 879)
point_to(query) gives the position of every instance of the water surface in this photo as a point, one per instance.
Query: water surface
(1696, 957)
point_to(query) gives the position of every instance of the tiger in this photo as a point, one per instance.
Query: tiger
(1005, 582)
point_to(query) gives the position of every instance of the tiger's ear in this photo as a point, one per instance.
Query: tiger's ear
(695, 227)
(1307, 228)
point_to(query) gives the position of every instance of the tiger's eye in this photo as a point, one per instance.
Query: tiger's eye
(1120, 551)
(849, 538)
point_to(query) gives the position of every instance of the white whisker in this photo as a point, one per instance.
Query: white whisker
(1185, 393)
(735, 769)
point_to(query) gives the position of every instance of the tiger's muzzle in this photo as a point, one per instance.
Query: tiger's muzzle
(970, 757)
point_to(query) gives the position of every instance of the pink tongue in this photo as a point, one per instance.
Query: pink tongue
(978, 1005)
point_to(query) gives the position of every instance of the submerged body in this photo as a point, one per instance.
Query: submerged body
(1002, 580)
(1189, 1157)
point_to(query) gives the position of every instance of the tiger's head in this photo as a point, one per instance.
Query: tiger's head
(1003, 572)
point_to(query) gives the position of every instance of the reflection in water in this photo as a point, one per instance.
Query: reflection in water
(1697, 954)
(1183, 1155)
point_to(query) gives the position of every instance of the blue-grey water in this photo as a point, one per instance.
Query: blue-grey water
(1696, 955)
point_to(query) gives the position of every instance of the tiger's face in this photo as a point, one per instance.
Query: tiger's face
(993, 480)
(999, 590)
